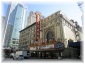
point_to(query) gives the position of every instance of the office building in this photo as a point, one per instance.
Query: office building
(16, 20)
(31, 18)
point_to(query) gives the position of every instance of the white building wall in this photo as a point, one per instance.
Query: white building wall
(68, 34)
(81, 36)
(31, 18)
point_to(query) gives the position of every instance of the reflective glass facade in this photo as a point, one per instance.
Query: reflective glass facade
(19, 23)
(17, 20)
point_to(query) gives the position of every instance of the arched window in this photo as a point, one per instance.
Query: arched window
(49, 36)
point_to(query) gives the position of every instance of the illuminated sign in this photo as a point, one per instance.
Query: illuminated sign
(32, 48)
(37, 25)
(59, 45)
(42, 47)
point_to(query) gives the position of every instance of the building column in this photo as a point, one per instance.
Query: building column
(55, 32)
(39, 55)
(44, 54)
(51, 54)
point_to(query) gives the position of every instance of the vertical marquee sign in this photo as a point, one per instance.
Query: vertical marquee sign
(37, 25)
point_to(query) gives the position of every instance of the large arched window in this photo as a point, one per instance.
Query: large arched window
(50, 36)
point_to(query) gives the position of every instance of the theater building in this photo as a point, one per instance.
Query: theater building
(40, 37)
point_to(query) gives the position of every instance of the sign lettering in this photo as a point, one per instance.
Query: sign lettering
(42, 47)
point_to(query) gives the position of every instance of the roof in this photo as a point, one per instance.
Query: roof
(28, 27)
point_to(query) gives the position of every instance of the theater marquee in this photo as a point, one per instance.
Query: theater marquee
(42, 47)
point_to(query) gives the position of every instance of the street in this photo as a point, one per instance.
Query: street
(10, 60)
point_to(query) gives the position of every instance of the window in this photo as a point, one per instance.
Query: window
(70, 26)
(66, 23)
(13, 42)
(48, 18)
(63, 21)
(28, 30)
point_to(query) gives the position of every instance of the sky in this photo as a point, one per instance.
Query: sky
(70, 9)
(4, 8)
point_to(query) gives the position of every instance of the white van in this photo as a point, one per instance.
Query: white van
(20, 55)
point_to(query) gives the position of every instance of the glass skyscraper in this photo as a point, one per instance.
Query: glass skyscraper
(16, 21)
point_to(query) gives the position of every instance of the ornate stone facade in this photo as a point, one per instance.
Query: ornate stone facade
(54, 26)
(27, 36)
